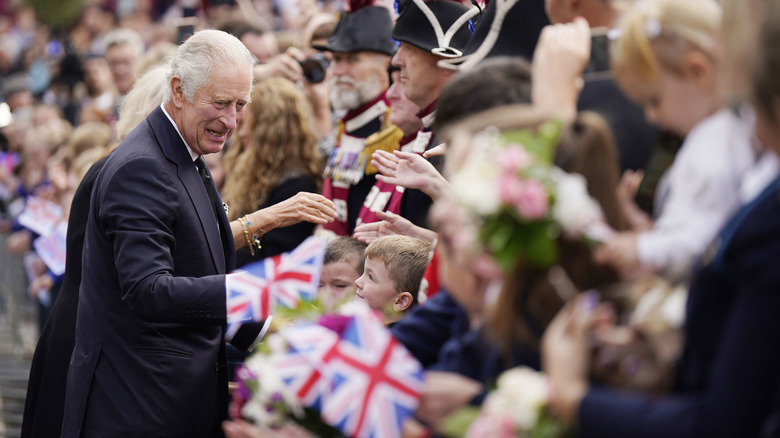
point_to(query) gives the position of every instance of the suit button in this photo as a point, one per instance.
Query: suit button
(216, 368)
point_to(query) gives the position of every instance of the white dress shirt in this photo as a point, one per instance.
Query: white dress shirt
(698, 193)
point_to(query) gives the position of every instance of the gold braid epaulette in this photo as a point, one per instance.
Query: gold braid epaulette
(387, 140)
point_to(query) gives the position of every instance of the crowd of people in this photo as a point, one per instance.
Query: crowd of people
(587, 188)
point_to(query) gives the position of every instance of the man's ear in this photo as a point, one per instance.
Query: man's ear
(177, 94)
(403, 301)
(700, 69)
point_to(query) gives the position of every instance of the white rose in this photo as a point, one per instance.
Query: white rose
(574, 209)
(476, 187)
(521, 394)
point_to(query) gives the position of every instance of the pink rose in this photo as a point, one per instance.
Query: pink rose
(513, 158)
(509, 188)
(491, 426)
(531, 201)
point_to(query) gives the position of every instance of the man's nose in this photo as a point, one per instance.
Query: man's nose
(340, 68)
(230, 117)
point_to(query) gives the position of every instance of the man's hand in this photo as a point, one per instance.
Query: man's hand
(284, 65)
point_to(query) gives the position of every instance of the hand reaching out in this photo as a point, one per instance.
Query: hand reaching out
(389, 224)
(620, 252)
(559, 59)
(436, 151)
(409, 170)
(565, 353)
(626, 191)
(304, 206)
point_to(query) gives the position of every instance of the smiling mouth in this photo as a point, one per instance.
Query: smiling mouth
(357, 294)
(215, 133)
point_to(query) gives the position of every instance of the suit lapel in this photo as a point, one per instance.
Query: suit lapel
(176, 152)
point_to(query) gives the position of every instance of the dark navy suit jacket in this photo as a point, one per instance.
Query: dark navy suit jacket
(149, 358)
(728, 377)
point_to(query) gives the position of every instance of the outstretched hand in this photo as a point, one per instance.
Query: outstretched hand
(408, 170)
(565, 353)
(303, 207)
(389, 224)
(626, 191)
(560, 57)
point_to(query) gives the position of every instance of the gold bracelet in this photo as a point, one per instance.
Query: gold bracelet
(255, 237)
(246, 229)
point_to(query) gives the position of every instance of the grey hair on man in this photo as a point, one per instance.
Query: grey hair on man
(124, 36)
(203, 51)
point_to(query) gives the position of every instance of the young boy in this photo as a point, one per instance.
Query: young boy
(393, 270)
(343, 264)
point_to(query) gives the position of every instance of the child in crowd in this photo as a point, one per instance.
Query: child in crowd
(393, 271)
(343, 264)
(666, 61)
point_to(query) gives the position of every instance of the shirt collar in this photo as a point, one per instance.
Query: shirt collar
(193, 155)
(428, 114)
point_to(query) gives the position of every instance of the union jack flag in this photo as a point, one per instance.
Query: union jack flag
(286, 279)
(374, 384)
(308, 345)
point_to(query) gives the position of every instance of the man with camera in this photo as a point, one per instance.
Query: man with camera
(361, 46)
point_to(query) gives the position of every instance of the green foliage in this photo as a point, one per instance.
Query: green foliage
(456, 424)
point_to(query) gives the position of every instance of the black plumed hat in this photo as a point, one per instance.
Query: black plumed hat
(507, 28)
(368, 28)
(440, 27)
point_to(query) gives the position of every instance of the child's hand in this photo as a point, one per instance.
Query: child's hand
(626, 191)
(620, 252)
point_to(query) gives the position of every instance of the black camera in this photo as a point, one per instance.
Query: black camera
(314, 68)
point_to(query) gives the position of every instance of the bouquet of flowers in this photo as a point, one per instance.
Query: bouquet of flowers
(340, 374)
(517, 407)
(524, 201)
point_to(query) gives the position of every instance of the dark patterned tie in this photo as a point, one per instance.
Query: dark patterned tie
(205, 176)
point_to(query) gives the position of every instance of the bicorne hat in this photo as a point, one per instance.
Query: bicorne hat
(507, 28)
(440, 27)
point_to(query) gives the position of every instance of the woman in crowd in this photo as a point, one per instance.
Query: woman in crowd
(273, 164)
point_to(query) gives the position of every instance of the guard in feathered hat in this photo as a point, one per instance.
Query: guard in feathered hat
(361, 47)
(430, 32)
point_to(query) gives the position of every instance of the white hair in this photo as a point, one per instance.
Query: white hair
(204, 50)
(124, 36)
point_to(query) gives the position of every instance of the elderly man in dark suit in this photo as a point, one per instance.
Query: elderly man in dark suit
(149, 358)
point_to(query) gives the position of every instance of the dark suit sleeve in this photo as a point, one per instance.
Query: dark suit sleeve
(142, 211)
(744, 375)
